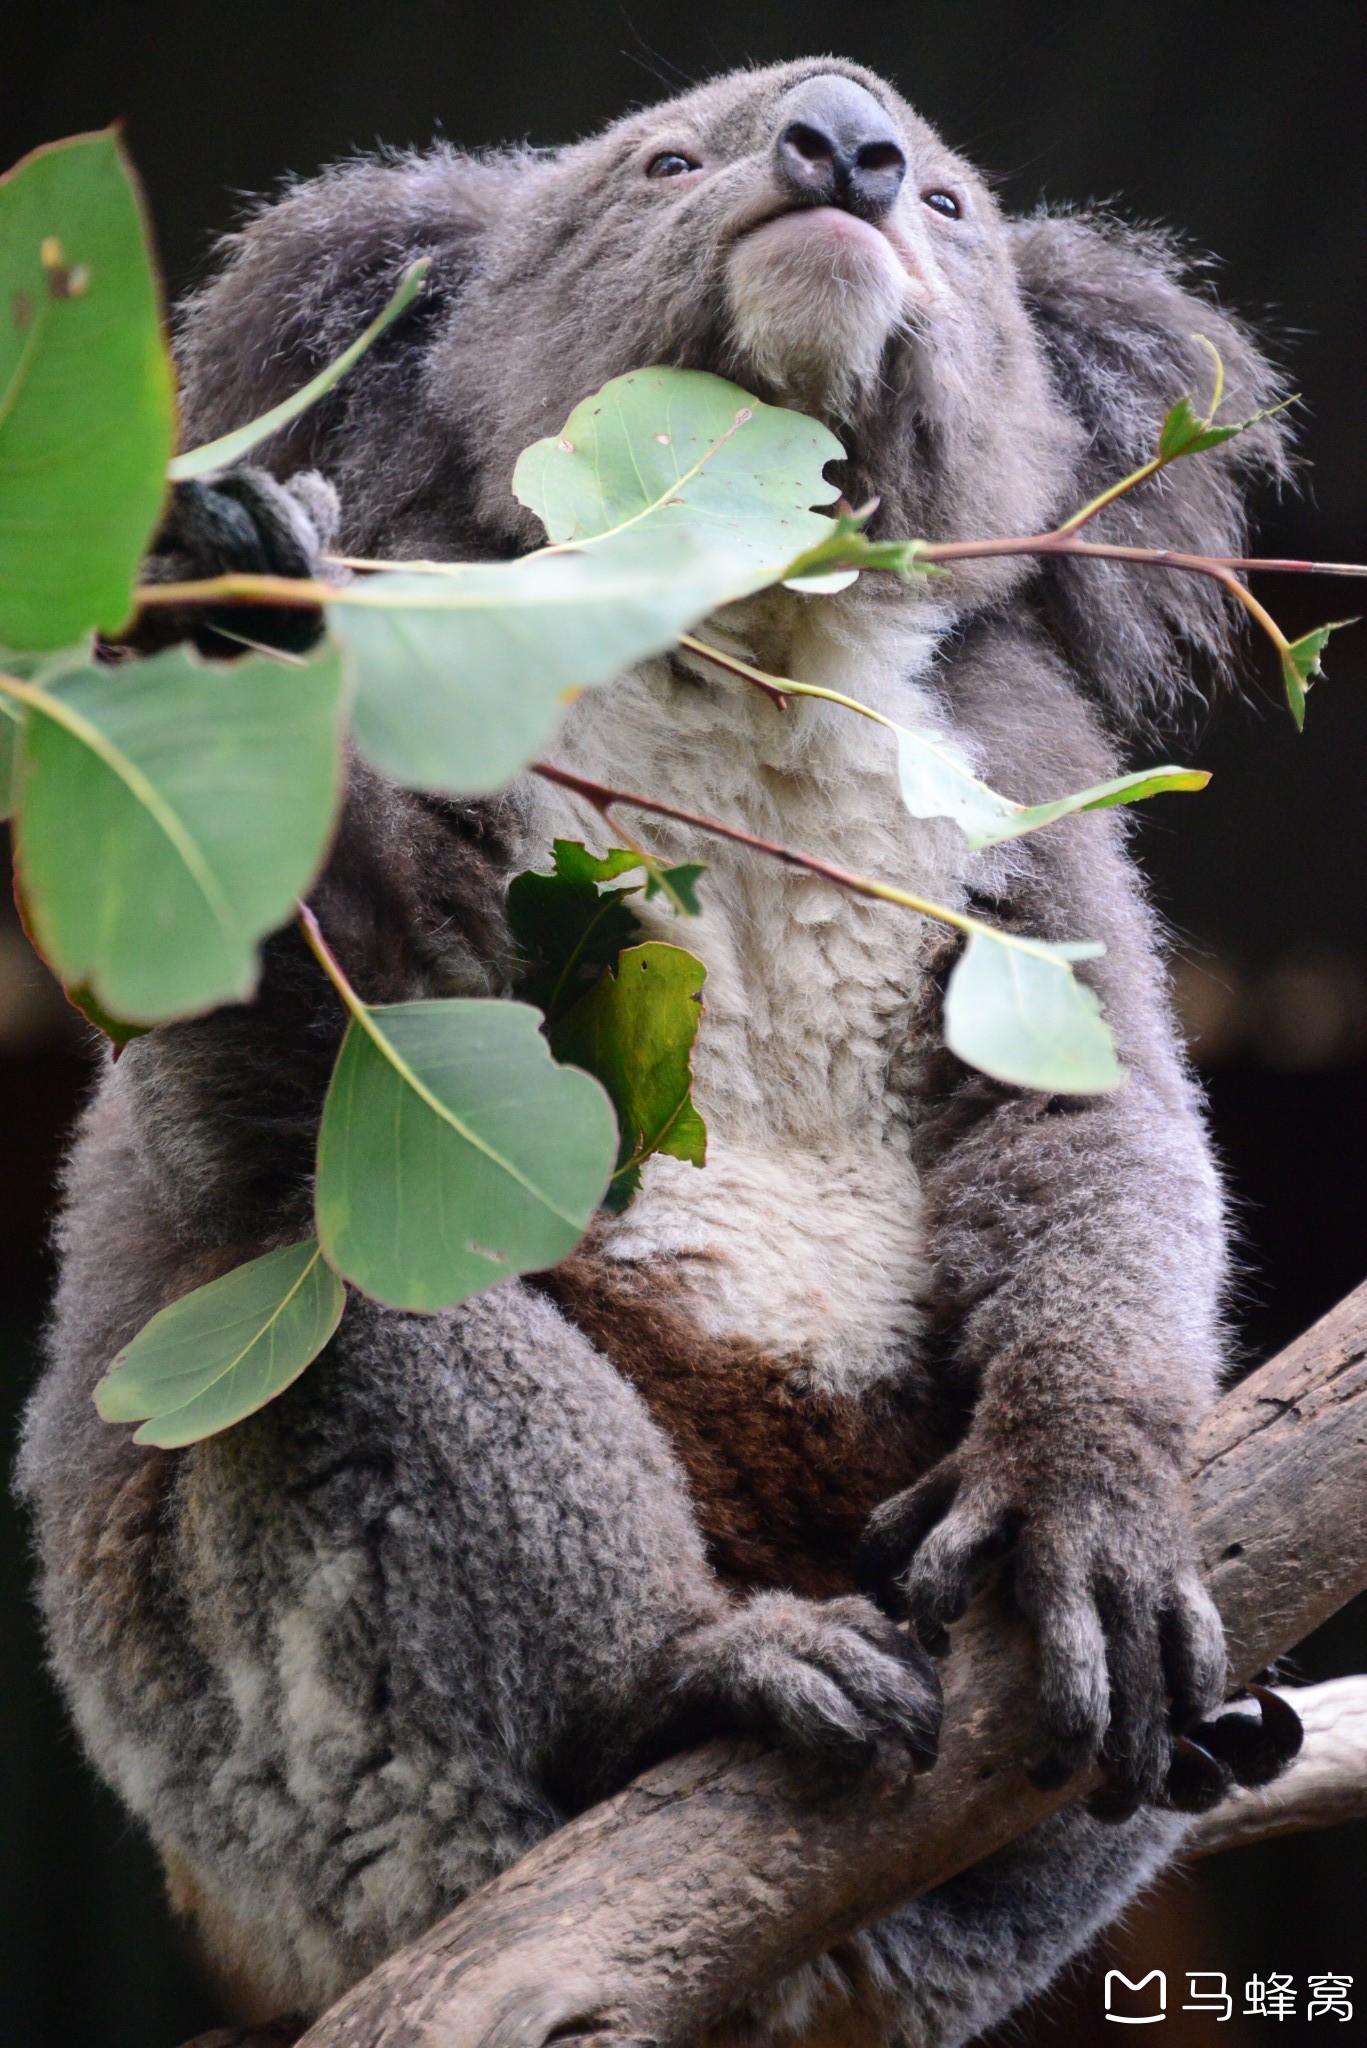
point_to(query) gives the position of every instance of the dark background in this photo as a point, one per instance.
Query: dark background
(1242, 125)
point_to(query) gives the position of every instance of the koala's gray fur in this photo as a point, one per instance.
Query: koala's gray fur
(351, 1658)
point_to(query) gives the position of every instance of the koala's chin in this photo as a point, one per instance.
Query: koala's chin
(814, 296)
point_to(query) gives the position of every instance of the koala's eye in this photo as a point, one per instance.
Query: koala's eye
(943, 202)
(669, 164)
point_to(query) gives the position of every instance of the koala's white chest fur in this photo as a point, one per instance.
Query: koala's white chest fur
(803, 1229)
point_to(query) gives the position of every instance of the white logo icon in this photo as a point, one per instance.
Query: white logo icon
(1137, 2019)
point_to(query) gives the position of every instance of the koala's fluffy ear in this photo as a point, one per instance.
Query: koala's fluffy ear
(1118, 316)
(307, 274)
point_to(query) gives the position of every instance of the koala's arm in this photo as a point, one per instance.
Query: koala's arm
(1078, 1254)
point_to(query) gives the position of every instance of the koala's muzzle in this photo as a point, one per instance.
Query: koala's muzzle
(837, 147)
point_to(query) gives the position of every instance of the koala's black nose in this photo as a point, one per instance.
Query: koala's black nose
(837, 147)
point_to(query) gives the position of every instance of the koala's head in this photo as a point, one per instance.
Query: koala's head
(798, 229)
(801, 230)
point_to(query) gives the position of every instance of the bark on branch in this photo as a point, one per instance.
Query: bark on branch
(645, 1919)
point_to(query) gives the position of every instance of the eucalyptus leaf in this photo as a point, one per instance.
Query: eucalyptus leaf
(1301, 665)
(937, 782)
(1186, 432)
(568, 925)
(230, 448)
(1015, 1009)
(11, 724)
(663, 449)
(454, 1152)
(635, 1031)
(461, 677)
(169, 813)
(679, 884)
(222, 1352)
(839, 555)
(87, 417)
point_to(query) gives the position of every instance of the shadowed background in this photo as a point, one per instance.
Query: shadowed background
(1240, 124)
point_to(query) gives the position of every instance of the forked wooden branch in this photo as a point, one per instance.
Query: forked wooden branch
(646, 1918)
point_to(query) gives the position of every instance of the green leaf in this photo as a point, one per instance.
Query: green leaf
(461, 677)
(224, 1351)
(1301, 665)
(11, 725)
(169, 813)
(454, 1152)
(635, 1031)
(230, 448)
(568, 925)
(1015, 1009)
(937, 782)
(663, 449)
(87, 416)
(837, 558)
(679, 884)
(1185, 432)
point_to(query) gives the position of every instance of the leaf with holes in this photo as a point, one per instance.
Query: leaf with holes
(1015, 1009)
(87, 416)
(660, 450)
(168, 814)
(222, 1352)
(454, 1152)
(635, 1030)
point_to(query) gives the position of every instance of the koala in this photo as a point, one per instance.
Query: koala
(740, 1461)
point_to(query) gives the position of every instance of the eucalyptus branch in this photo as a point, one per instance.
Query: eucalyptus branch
(603, 799)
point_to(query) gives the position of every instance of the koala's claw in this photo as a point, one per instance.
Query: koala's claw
(1131, 1648)
(827, 1679)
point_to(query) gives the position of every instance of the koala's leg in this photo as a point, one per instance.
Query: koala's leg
(956, 1962)
(354, 1656)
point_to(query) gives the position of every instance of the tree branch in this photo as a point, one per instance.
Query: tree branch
(1326, 1784)
(719, 1871)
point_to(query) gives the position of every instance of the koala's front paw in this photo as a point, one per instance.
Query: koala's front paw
(241, 522)
(829, 1679)
(1132, 1655)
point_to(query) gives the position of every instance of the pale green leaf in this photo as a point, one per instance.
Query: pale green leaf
(87, 416)
(222, 1352)
(1015, 1009)
(635, 1031)
(937, 782)
(663, 449)
(169, 813)
(461, 677)
(233, 447)
(454, 1152)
